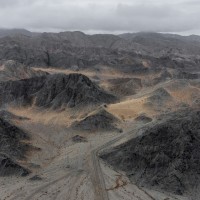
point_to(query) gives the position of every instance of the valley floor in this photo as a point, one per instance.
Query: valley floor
(67, 170)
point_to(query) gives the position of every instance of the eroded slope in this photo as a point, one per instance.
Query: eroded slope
(165, 157)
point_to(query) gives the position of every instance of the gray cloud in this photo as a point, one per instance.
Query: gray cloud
(103, 16)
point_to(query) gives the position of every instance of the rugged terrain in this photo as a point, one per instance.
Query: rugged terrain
(56, 91)
(99, 116)
(165, 156)
(12, 148)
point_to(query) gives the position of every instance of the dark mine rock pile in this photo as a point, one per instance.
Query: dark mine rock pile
(166, 157)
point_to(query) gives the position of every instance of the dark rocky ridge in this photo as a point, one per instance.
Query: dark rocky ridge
(143, 118)
(70, 49)
(159, 97)
(100, 121)
(124, 86)
(12, 149)
(10, 167)
(165, 43)
(14, 32)
(54, 91)
(78, 138)
(8, 116)
(165, 157)
(12, 70)
(10, 140)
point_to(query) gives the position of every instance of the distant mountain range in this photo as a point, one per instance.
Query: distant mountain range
(69, 49)
(15, 32)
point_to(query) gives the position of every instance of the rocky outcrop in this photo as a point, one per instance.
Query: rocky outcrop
(10, 167)
(159, 97)
(20, 92)
(165, 157)
(12, 70)
(8, 116)
(143, 118)
(78, 138)
(99, 121)
(10, 140)
(54, 91)
(12, 149)
(124, 86)
(69, 49)
(14, 32)
(71, 91)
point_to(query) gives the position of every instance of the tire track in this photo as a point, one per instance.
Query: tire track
(101, 192)
(40, 189)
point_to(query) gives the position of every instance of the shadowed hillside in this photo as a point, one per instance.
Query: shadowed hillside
(54, 91)
(165, 157)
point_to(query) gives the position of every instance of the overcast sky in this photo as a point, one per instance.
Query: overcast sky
(92, 16)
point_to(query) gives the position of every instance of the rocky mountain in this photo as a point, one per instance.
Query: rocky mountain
(12, 70)
(165, 157)
(10, 137)
(101, 120)
(68, 49)
(165, 43)
(159, 97)
(124, 86)
(14, 32)
(54, 91)
(12, 149)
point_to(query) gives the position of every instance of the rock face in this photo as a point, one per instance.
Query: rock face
(71, 91)
(143, 118)
(125, 86)
(165, 157)
(78, 138)
(20, 92)
(159, 97)
(165, 43)
(70, 49)
(14, 32)
(54, 91)
(10, 138)
(12, 70)
(6, 115)
(10, 167)
(100, 121)
(11, 149)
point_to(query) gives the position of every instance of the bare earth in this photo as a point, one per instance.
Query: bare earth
(73, 171)
(67, 169)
